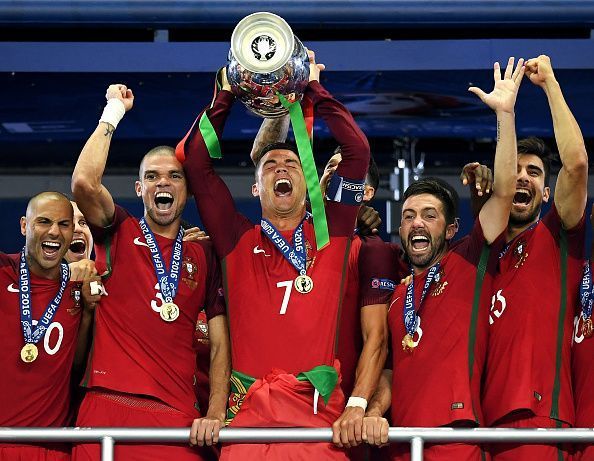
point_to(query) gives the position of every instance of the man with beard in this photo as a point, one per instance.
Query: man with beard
(438, 321)
(535, 293)
(40, 316)
(283, 292)
(141, 368)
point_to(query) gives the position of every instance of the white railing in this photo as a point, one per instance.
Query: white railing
(416, 436)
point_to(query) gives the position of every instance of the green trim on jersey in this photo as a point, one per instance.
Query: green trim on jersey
(478, 287)
(345, 267)
(560, 325)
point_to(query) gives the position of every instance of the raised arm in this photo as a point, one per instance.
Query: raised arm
(272, 130)
(354, 145)
(494, 215)
(571, 188)
(92, 197)
(213, 199)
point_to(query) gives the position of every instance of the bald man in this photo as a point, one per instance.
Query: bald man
(40, 318)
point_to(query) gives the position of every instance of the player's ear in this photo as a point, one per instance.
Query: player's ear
(138, 188)
(23, 225)
(255, 190)
(546, 194)
(451, 230)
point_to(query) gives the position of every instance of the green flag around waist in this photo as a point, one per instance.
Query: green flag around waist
(309, 171)
(324, 378)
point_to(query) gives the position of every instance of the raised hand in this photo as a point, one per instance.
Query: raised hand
(121, 92)
(539, 70)
(314, 68)
(479, 175)
(503, 96)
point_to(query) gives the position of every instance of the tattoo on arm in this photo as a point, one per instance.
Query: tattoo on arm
(108, 130)
(272, 130)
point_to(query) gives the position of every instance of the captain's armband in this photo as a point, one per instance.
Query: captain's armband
(345, 190)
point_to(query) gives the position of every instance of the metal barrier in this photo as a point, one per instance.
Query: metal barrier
(416, 436)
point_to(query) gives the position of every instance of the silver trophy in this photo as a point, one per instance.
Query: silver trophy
(266, 59)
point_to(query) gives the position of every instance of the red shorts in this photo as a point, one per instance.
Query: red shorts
(528, 452)
(32, 453)
(439, 452)
(109, 409)
(280, 400)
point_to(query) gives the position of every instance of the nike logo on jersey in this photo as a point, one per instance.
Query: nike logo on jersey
(257, 250)
(12, 288)
(139, 243)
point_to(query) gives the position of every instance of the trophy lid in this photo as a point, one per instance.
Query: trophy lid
(262, 42)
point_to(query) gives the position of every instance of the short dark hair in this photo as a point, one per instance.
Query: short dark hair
(159, 150)
(372, 178)
(440, 189)
(537, 146)
(274, 146)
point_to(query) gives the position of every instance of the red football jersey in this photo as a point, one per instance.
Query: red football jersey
(583, 374)
(439, 382)
(36, 393)
(272, 325)
(375, 268)
(134, 350)
(530, 336)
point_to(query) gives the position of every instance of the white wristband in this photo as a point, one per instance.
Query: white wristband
(114, 112)
(357, 402)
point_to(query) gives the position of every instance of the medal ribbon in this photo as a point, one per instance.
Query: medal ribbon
(586, 292)
(310, 173)
(168, 282)
(296, 254)
(411, 320)
(33, 336)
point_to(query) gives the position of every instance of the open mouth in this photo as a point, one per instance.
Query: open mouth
(419, 242)
(78, 246)
(283, 187)
(50, 249)
(163, 200)
(522, 197)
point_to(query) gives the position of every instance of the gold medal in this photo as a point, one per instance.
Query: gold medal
(303, 284)
(169, 312)
(408, 343)
(587, 327)
(29, 353)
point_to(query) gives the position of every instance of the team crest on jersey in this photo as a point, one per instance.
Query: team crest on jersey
(190, 270)
(76, 296)
(440, 283)
(202, 330)
(520, 253)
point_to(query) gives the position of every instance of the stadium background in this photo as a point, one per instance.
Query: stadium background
(401, 67)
